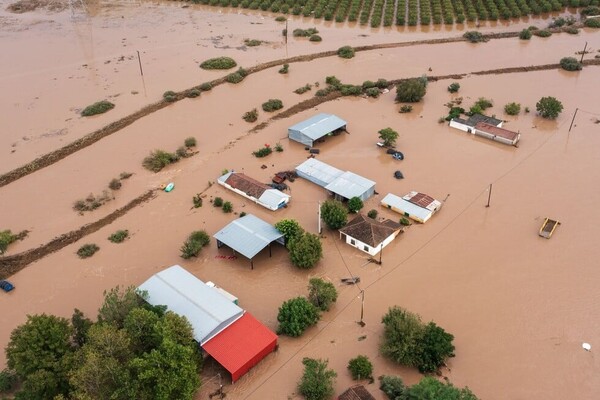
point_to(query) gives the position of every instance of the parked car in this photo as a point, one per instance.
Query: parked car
(6, 286)
(398, 156)
(398, 175)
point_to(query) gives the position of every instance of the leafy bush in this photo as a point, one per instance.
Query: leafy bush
(361, 368)
(333, 81)
(295, 315)
(321, 293)
(190, 142)
(345, 52)
(592, 23)
(97, 108)
(218, 202)
(525, 34)
(426, 388)
(454, 112)
(474, 37)
(590, 10)
(285, 69)
(194, 244)
(303, 89)
(454, 87)
(235, 77)
(372, 214)
(159, 159)
(549, 107)
(252, 43)
(484, 103)
(243, 214)
(250, 116)
(227, 207)
(368, 84)
(322, 92)
(571, 30)
(170, 96)
(290, 228)
(411, 90)
(404, 221)
(87, 250)
(406, 108)
(512, 108)
(278, 147)
(334, 214)
(219, 63)
(381, 83)
(393, 387)
(570, 64)
(197, 200)
(115, 184)
(119, 236)
(317, 381)
(8, 379)
(280, 18)
(92, 202)
(305, 251)
(7, 237)
(206, 86)
(355, 204)
(263, 152)
(436, 348)
(182, 152)
(542, 33)
(372, 92)
(125, 175)
(304, 32)
(389, 136)
(193, 93)
(315, 38)
(272, 105)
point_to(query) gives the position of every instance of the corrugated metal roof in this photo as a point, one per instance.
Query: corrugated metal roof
(321, 171)
(207, 310)
(406, 206)
(319, 125)
(494, 130)
(273, 197)
(248, 235)
(242, 343)
(349, 185)
(422, 200)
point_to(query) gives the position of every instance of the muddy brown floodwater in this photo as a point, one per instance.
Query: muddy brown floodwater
(518, 305)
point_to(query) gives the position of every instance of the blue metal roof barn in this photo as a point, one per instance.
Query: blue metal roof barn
(314, 128)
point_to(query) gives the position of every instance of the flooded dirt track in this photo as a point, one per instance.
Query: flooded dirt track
(518, 305)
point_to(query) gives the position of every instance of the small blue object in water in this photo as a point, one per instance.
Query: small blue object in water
(169, 187)
(6, 286)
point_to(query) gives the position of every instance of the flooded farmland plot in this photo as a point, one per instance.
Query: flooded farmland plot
(519, 306)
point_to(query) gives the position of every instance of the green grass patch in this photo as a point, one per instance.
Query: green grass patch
(97, 108)
(219, 63)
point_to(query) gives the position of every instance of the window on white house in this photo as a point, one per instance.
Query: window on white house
(352, 241)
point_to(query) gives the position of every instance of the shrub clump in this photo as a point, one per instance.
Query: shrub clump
(350, 90)
(404, 221)
(170, 96)
(315, 38)
(193, 93)
(372, 214)
(475, 37)
(303, 89)
(159, 159)
(345, 52)
(237, 77)
(360, 368)
(8, 380)
(549, 107)
(590, 10)
(512, 108)
(206, 86)
(592, 23)
(305, 32)
(219, 63)
(272, 105)
(295, 315)
(97, 108)
(525, 34)
(355, 204)
(278, 147)
(317, 381)
(218, 202)
(263, 151)
(570, 64)
(411, 90)
(115, 184)
(252, 43)
(285, 69)
(194, 243)
(227, 207)
(250, 116)
(321, 293)
(280, 18)
(372, 92)
(406, 108)
(7, 238)
(119, 236)
(87, 250)
(542, 33)
(91, 202)
(454, 87)
(190, 142)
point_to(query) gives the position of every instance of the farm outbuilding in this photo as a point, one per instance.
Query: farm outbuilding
(343, 185)
(248, 235)
(468, 125)
(369, 235)
(417, 206)
(358, 392)
(314, 128)
(254, 190)
(232, 336)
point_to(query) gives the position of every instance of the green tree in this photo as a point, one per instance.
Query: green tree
(525, 34)
(41, 349)
(393, 387)
(549, 107)
(436, 347)
(512, 108)
(361, 368)
(290, 228)
(321, 293)
(167, 373)
(317, 381)
(402, 335)
(334, 214)
(81, 325)
(295, 315)
(355, 204)
(454, 87)
(118, 304)
(411, 90)
(8, 379)
(570, 64)
(141, 326)
(305, 251)
(199, 239)
(430, 388)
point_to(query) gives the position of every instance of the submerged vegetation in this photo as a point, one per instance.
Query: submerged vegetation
(97, 108)
(218, 63)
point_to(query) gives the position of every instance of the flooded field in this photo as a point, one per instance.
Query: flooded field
(518, 305)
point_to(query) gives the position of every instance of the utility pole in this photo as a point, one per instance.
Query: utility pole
(362, 307)
(583, 54)
(220, 387)
(489, 195)
(140, 62)
(319, 214)
(380, 253)
(573, 120)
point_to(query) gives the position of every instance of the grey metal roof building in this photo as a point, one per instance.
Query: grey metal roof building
(207, 310)
(248, 236)
(344, 185)
(306, 132)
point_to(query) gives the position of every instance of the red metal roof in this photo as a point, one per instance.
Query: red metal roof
(421, 199)
(241, 345)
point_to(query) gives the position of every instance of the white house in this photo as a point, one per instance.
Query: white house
(369, 235)
(469, 124)
(417, 206)
(254, 190)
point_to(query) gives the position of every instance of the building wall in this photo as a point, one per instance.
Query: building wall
(458, 125)
(312, 178)
(254, 199)
(299, 137)
(405, 213)
(255, 360)
(365, 247)
(497, 138)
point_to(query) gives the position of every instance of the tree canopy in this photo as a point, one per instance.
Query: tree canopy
(355, 204)
(295, 315)
(290, 228)
(317, 381)
(549, 107)
(321, 293)
(389, 137)
(411, 90)
(306, 250)
(334, 214)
